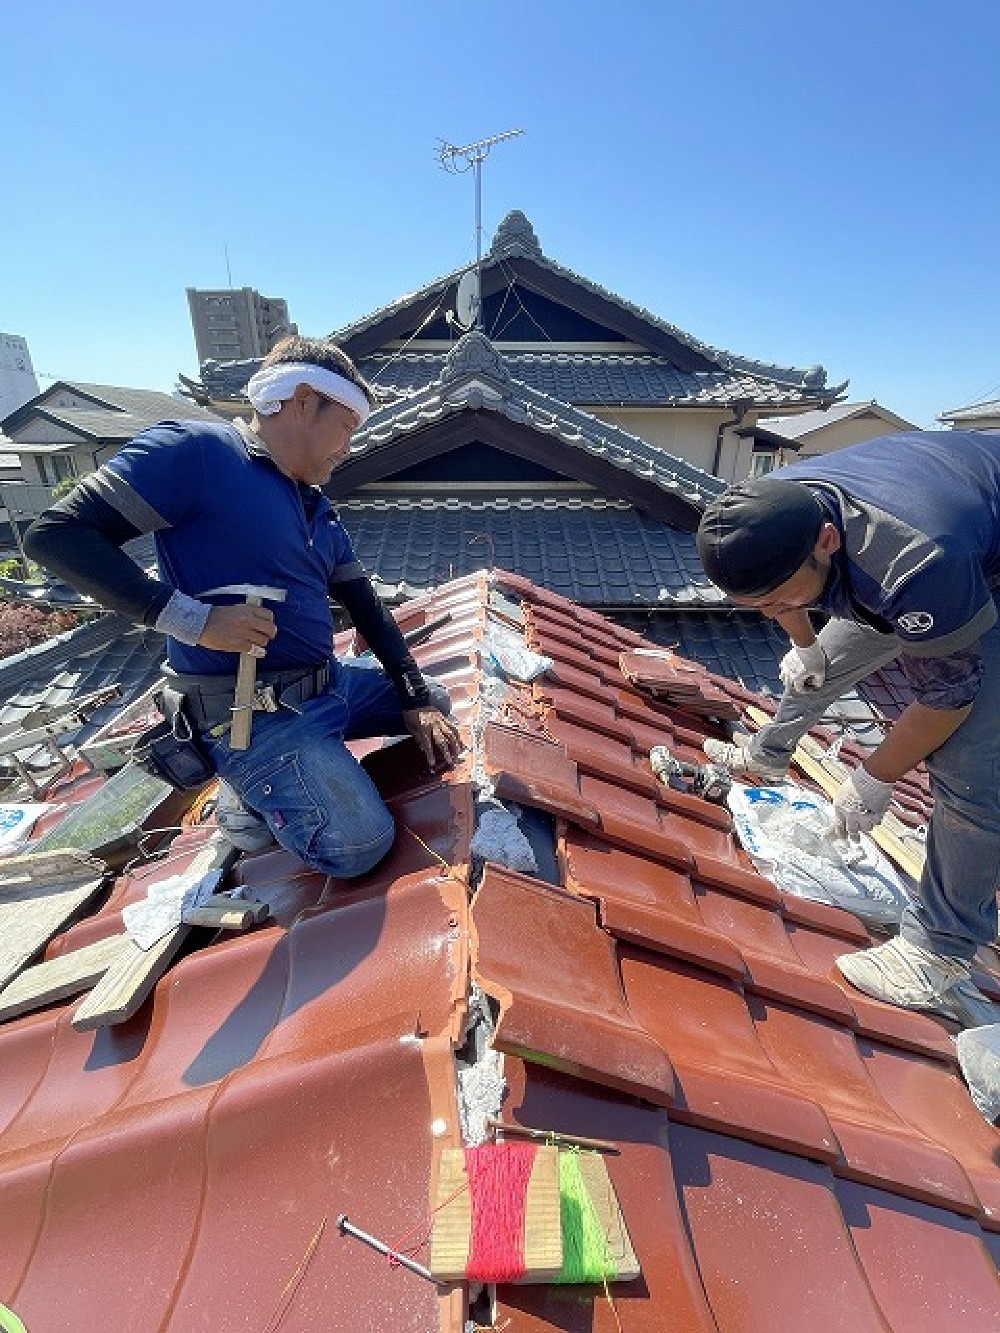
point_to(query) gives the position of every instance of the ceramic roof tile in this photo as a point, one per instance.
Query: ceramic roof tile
(792, 1154)
(810, 384)
(403, 544)
(592, 379)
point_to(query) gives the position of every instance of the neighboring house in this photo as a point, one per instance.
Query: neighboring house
(565, 336)
(574, 439)
(780, 440)
(69, 429)
(10, 462)
(978, 416)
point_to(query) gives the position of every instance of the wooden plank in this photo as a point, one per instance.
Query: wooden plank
(60, 977)
(125, 986)
(452, 1230)
(221, 912)
(597, 1182)
(61, 865)
(828, 773)
(38, 895)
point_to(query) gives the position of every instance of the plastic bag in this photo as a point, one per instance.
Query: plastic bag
(511, 656)
(789, 835)
(979, 1055)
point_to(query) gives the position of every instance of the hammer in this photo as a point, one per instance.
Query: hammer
(246, 676)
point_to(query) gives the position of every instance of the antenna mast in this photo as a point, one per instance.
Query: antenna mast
(474, 155)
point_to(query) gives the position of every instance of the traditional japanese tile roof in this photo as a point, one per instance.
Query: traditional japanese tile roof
(791, 1155)
(605, 379)
(595, 552)
(476, 377)
(515, 239)
(595, 379)
(634, 378)
(108, 651)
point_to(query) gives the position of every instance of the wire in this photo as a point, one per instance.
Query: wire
(512, 280)
(420, 327)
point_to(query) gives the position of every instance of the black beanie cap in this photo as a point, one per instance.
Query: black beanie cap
(758, 534)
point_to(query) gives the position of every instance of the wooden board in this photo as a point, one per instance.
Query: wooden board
(39, 893)
(60, 977)
(597, 1182)
(452, 1229)
(892, 835)
(124, 987)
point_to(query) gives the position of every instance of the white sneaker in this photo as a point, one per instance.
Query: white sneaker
(247, 831)
(735, 755)
(906, 975)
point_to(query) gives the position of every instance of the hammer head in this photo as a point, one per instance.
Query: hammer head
(259, 590)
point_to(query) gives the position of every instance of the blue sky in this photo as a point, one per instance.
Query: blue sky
(796, 182)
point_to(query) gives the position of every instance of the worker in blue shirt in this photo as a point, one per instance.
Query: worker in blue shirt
(238, 504)
(897, 541)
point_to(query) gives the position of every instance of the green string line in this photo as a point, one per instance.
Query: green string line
(9, 1321)
(586, 1254)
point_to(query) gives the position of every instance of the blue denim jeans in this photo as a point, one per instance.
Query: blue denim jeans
(299, 776)
(956, 909)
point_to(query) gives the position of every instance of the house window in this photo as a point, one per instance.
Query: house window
(55, 469)
(762, 463)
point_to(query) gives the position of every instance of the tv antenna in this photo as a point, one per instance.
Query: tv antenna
(458, 160)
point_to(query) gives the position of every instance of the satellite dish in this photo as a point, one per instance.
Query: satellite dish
(467, 299)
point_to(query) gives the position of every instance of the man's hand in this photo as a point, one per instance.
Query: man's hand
(238, 629)
(860, 804)
(803, 669)
(435, 734)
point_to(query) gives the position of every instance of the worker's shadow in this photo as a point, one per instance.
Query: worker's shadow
(321, 948)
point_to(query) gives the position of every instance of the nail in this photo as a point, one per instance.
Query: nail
(348, 1229)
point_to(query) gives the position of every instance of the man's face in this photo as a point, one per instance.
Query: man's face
(801, 591)
(325, 439)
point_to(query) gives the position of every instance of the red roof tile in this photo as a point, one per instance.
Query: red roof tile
(792, 1154)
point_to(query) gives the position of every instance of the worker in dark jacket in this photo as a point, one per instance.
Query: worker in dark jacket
(897, 541)
(239, 504)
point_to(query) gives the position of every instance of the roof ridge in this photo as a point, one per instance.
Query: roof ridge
(508, 389)
(812, 377)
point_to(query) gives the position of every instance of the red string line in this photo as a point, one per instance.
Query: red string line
(498, 1176)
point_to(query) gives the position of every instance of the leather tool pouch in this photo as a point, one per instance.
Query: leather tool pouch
(172, 750)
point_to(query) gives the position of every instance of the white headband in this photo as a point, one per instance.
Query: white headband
(270, 387)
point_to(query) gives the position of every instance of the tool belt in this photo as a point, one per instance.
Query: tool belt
(172, 750)
(208, 700)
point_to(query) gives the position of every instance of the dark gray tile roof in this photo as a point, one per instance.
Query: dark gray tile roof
(476, 377)
(742, 646)
(516, 239)
(227, 380)
(148, 405)
(594, 552)
(595, 379)
(107, 651)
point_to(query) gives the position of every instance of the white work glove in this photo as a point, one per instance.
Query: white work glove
(860, 804)
(803, 668)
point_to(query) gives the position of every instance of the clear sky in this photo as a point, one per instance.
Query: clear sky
(797, 182)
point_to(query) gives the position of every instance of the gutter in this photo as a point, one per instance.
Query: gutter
(739, 410)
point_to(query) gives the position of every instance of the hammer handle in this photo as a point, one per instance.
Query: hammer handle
(246, 685)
